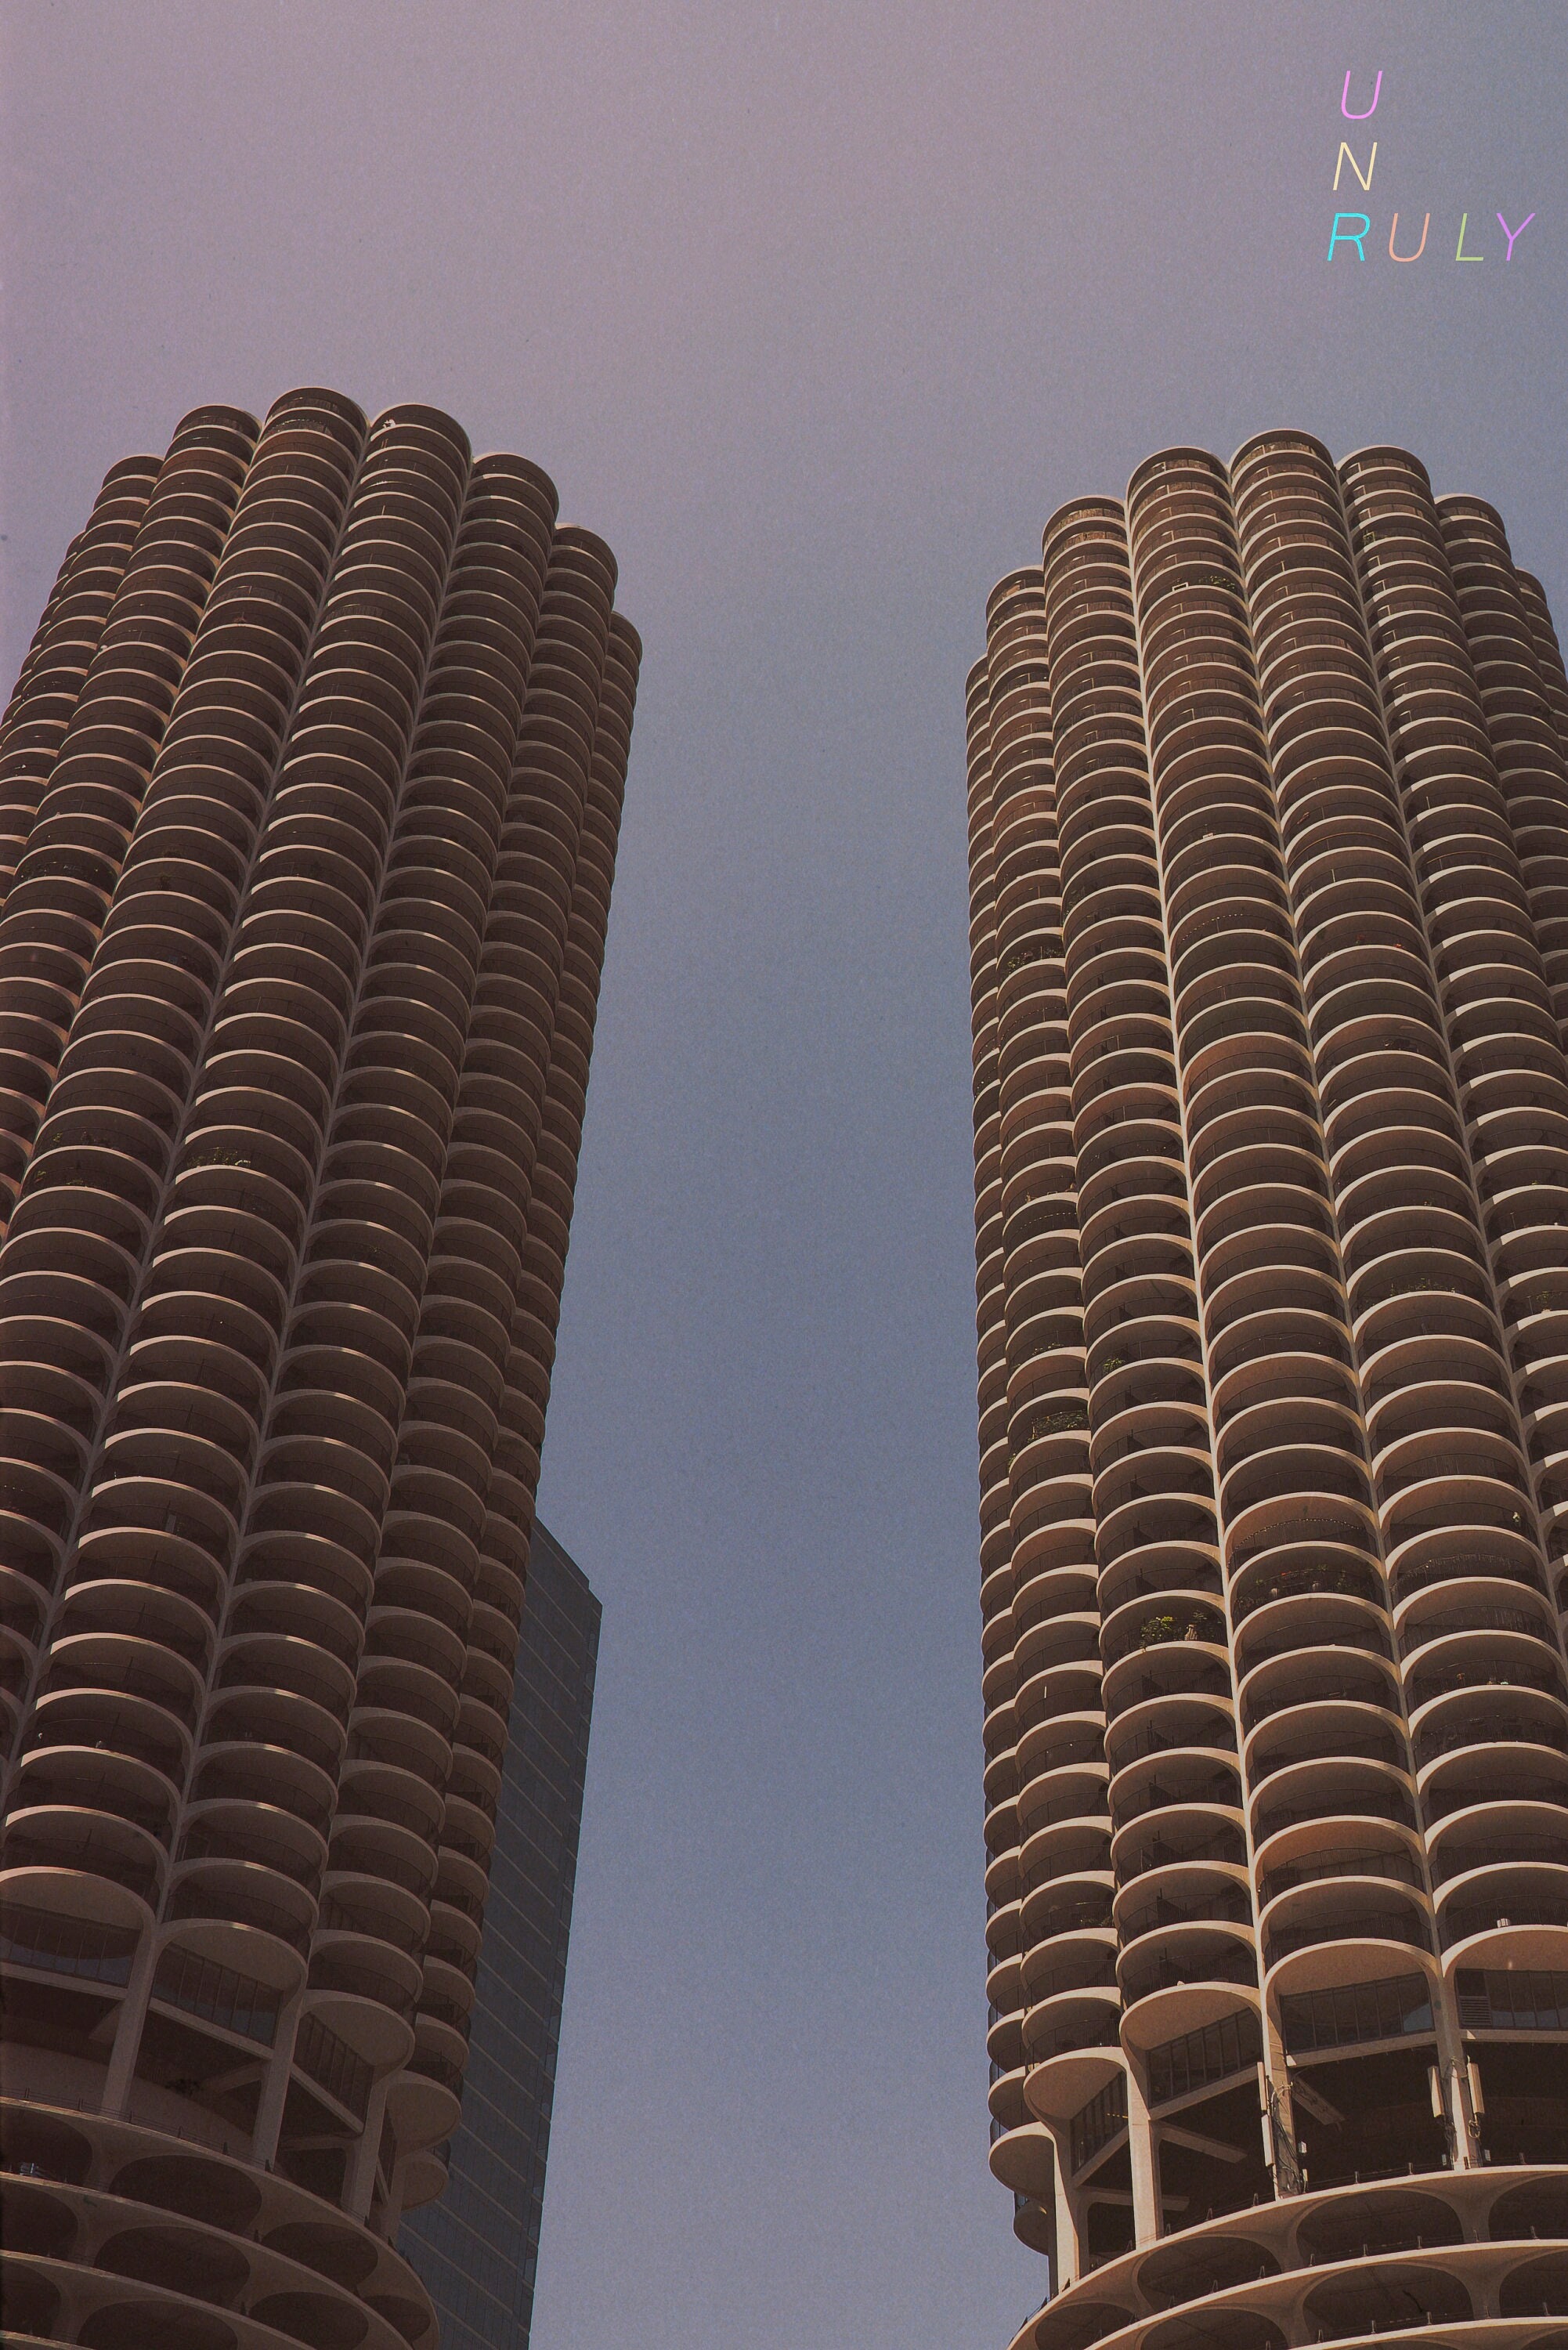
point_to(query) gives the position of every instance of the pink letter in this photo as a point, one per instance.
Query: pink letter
(1511, 232)
(1460, 253)
(1345, 101)
(1421, 249)
(1357, 237)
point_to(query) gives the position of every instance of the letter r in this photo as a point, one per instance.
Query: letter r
(1356, 236)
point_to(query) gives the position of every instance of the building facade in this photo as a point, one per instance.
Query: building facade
(310, 790)
(478, 2249)
(1269, 825)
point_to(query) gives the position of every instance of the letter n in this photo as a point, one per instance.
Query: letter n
(1345, 157)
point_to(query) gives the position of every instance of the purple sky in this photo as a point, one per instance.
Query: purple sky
(816, 313)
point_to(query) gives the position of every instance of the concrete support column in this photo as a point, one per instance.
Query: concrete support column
(1455, 2084)
(393, 2213)
(128, 2026)
(359, 2184)
(1144, 2157)
(1069, 2239)
(274, 2083)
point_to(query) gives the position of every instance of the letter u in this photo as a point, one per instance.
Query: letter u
(1421, 249)
(1345, 101)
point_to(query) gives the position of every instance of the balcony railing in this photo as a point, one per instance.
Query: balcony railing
(1369, 1925)
(206, 1840)
(216, 1994)
(1523, 1999)
(1198, 2059)
(1474, 1619)
(58, 1945)
(1398, 1867)
(333, 2065)
(1315, 2022)
(1505, 1909)
(1229, 1908)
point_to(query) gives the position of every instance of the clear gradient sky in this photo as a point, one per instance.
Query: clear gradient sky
(816, 313)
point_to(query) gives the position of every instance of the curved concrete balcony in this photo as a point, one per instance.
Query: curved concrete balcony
(143, 1669)
(1003, 1993)
(1282, 1532)
(1165, 1835)
(1470, 1713)
(1457, 2252)
(1335, 1786)
(1073, 2020)
(1074, 1791)
(251, 1772)
(1162, 1724)
(1008, 2110)
(1059, 1741)
(1025, 2159)
(1064, 1851)
(1139, 1637)
(1057, 1649)
(1180, 1782)
(1319, 1852)
(1342, 1911)
(1324, 1730)
(1485, 1834)
(278, 1839)
(1000, 1781)
(69, 1836)
(1195, 1954)
(1416, 1413)
(1479, 1903)
(112, 1605)
(1064, 1693)
(1516, 1654)
(1077, 1894)
(1183, 1891)
(138, 1728)
(1355, 1671)
(1000, 1825)
(1332, 1609)
(189, 2234)
(1530, 1768)
(1078, 1958)
(374, 1904)
(264, 1715)
(245, 1892)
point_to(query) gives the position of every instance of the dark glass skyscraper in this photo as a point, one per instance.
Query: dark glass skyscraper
(478, 2247)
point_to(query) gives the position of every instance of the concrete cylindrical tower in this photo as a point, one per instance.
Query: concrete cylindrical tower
(1269, 825)
(309, 791)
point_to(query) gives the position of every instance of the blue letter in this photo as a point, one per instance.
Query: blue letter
(1338, 235)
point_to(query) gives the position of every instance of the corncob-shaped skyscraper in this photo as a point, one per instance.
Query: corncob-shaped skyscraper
(1269, 825)
(309, 793)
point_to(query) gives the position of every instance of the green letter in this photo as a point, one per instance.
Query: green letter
(1460, 253)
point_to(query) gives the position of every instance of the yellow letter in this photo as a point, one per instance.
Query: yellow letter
(1460, 253)
(1345, 157)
